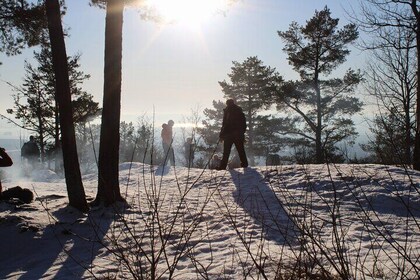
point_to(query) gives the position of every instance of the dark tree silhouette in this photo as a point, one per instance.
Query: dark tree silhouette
(33, 107)
(74, 184)
(21, 25)
(35, 103)
(108, 182)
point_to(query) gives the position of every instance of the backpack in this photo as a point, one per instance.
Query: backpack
(22, 195)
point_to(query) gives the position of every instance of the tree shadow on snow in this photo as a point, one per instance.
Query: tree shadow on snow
(260, 202)
(396, 197)
(71, 242)
(90, 234)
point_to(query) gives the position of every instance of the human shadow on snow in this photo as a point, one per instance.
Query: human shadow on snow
(259, 201)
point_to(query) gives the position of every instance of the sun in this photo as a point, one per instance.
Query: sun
(189, 12)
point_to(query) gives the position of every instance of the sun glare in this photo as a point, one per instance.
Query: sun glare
(189, 12)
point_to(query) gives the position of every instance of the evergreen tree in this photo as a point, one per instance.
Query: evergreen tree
(84, 108)
(251, 86)
(210, 130)
(34, 107)
(137, 143)
(127, 142)
(269, 138)
(21, 24)
(324, 106)
(146, 148)
(35, 102)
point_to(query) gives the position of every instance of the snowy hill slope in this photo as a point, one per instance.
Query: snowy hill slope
(351, 221)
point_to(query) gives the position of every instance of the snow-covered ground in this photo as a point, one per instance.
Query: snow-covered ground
(350, 221)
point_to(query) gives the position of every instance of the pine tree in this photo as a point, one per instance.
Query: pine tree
(35, 103)
(252, 87)
(21, 25)
(127, 142)
(210, 130)
(324, 106)
(269, 138)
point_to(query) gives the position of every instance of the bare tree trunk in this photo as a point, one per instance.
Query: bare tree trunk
(407, 152)
(319, 157)
(416, 154)
(73, 176)
(40, 126)
(250, 131)
(108, 182)
(57, 145)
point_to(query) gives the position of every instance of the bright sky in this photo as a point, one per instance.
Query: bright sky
(174, 68)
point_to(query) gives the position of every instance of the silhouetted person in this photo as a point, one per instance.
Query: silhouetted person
(233, 132)
(189, 148)
(30, 151)
(167, 142)
(5, 161)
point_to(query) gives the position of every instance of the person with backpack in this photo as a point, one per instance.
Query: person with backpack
(233, 132)
(30, 151)
(167, 140)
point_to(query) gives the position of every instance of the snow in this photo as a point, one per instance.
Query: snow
(351, 221)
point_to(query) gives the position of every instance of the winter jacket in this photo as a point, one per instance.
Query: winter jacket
(234, 121)
(166, 134)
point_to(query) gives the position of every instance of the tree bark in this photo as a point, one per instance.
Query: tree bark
(319, 153)
(250, 130)
(108, 182)
(73, 176)
(416, 153)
